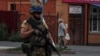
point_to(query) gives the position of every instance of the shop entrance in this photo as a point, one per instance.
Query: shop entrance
(76, 29)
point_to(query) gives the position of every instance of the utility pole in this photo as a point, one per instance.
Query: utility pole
(42, 4)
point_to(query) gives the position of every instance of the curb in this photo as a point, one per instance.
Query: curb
(5, 47)
(20, 51)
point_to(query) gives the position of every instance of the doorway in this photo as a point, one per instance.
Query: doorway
(76, 29)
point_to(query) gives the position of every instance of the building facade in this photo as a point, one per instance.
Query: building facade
(22, 8)
(81, 16)
(83, 20)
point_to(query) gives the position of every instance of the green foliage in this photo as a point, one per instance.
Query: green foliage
(5, 36)
(3, 32)
(59, 49)
(15, 37)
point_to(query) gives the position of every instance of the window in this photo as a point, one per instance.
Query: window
(94, 20)
(13, 6)
(99, 23)
(95, 23)
(90, 22)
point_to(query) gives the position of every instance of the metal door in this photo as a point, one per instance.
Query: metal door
(76, 29)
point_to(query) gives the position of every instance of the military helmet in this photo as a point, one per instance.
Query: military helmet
(34, 9)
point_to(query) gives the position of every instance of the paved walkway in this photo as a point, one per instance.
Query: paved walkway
(85, 50)
(80, 50)
(8, 44)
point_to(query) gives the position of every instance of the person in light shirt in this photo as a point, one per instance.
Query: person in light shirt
(61, 33)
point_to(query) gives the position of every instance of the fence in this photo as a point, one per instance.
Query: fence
(51, 21)
(10, 18)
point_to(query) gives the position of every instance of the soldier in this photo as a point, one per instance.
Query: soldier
(35, 31)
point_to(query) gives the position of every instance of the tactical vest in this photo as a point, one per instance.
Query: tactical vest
(39, 28)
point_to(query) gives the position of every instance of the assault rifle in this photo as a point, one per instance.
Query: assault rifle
(43, 35)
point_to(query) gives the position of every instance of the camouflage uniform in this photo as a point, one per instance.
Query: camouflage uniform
(37, 50)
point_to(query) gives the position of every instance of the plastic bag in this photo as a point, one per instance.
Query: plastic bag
(67, 36)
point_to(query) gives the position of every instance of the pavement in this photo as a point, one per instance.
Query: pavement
(9, 44)
(79, 50)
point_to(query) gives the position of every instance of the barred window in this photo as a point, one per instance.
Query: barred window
(94, 23)
(12, 6)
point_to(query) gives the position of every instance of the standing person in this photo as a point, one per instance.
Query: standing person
(61, 33)
(36, 33)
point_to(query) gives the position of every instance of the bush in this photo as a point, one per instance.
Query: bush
(15, 37)
(3, 32)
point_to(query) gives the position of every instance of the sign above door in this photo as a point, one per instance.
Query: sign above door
(75, 9)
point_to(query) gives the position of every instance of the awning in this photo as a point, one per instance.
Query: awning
(98, 5)
(81, 1)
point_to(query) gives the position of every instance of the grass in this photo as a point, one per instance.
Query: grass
(61, 49)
